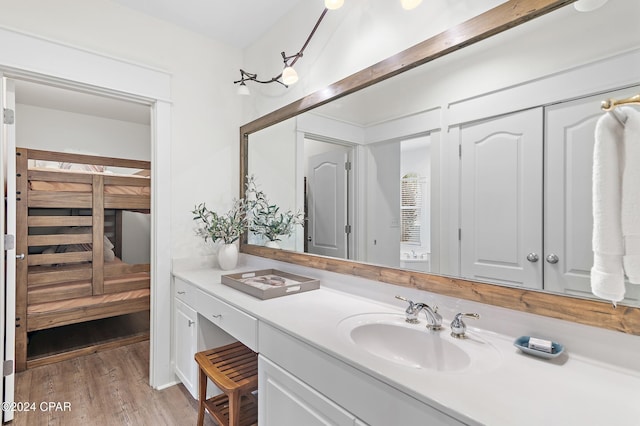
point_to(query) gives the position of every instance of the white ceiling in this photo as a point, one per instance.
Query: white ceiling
(235, 22)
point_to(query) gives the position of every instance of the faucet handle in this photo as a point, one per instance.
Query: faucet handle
(412, 311)
(458, 327)
(404, 299)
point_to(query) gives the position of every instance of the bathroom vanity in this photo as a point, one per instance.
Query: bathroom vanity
(330, 356)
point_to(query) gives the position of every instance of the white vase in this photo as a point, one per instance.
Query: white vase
(227, 256)
(272, 244)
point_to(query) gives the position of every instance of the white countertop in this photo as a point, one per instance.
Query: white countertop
(522, 390)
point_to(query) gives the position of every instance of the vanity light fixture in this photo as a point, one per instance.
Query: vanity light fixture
(588, 5)
(243, 89)
(410, 4)
(333, 4)
(289, 76)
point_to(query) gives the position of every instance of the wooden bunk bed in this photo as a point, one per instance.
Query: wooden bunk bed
(68, 223)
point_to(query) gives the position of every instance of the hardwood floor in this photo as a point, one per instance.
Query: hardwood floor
(105, 388)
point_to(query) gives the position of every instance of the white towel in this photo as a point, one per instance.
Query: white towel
(631, 195)
(607, 276)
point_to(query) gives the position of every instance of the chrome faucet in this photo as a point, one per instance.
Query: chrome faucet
(458, 327)
(434, 319)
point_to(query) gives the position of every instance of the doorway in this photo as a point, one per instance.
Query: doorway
(30, 58)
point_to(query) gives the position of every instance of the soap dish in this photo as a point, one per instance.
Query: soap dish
(522, 343)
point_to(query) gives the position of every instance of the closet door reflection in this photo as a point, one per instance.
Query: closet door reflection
(568, 224)
(501, 199)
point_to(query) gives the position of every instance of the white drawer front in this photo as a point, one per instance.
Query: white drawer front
(186, 292)
(235, 322)
(241, 326)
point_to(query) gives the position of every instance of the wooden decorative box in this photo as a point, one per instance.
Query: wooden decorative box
(269, 283)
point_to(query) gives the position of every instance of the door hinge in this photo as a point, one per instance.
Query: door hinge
(347, 165)
(460, 151)
(9, 242)
(347, 229)
(8, 116)
(7, 368)
(459, 234)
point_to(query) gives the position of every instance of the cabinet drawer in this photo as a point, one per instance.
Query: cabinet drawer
(185, 292)
(241, 326)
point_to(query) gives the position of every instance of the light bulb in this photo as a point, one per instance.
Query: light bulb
(410, 4)
(333, 4)
(243, 89)
(289, 76)
(588, 5)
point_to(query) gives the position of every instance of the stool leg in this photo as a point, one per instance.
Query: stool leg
(202, 396)
(234, 408)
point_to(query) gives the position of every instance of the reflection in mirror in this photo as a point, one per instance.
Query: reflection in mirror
(503, 195)
(485, 175)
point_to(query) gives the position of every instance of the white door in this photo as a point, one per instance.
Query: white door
(568, 220)
(501, 199)
(186, 345)
(8, 261)
(327, 204)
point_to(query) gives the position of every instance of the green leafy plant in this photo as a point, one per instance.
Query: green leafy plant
(265, 218)
(221, 227)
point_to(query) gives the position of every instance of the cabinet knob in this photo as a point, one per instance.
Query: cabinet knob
(532, 257)
(552, 258)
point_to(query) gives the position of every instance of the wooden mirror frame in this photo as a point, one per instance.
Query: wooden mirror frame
(507, 15)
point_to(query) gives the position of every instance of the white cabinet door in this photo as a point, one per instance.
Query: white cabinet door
(186, 345)
(501, 199)
(568, 220)
(286, 401)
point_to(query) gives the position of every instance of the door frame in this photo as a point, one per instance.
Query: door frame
(37, 59)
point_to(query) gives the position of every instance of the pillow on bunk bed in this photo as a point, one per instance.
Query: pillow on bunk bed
(109, 255)
(82, 167)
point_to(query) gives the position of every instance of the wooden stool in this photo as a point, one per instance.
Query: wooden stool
(234, 369)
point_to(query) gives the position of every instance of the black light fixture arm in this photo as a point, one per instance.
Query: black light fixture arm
(247, 76)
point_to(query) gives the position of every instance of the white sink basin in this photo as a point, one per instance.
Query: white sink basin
(389, 337)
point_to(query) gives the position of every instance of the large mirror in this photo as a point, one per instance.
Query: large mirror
(426, 179)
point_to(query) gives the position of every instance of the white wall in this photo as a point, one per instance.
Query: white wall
(272, 160)
(205, 108)
(383, 199)
(56, 130)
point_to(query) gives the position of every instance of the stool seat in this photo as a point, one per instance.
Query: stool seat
(234, 369)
